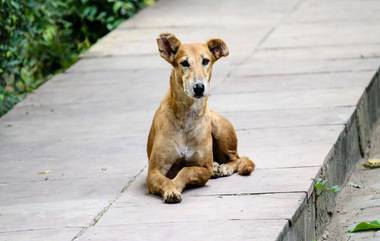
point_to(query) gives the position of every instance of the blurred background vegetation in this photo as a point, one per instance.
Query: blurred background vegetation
(39, 38)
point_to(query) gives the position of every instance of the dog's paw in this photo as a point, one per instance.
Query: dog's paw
(172, 197)
(225, 170)
(215, 169)
(222, 171)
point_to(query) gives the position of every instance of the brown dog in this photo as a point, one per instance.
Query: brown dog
(188, 143)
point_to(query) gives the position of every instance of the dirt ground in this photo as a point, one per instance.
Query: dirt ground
(358, 201)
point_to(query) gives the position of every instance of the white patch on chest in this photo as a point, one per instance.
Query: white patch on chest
(185, 151)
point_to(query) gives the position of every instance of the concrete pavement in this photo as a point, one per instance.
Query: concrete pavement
(72, 154)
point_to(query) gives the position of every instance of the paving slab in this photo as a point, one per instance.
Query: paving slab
(51, 189)
(198, 13)
(285, 100)
(282, 118)
(299, 81)
(300, 155)
(46, 215)
(39, 234)
(136, 206)
(191, 231)
(72, 154)
(336, 11)
(136, 42)
(274, 66)
(323, 52)
(314, 34)
(283, 180)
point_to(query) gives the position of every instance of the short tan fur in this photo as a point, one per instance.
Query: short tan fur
(188, 143)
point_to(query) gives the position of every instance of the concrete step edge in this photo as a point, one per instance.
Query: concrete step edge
(353, 144)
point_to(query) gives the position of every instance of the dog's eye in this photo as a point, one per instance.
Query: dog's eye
(205, 61)
(185, 63)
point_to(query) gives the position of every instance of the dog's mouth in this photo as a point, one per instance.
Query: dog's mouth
(198, 96)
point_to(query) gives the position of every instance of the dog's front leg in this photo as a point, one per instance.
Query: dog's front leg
(193, 175)
(161, 185)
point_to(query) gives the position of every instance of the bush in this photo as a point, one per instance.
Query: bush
(38, 38)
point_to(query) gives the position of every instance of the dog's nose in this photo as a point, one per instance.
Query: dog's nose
(199, 88)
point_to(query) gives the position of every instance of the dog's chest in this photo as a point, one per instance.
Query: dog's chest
(185, 145)
(185, 151)
(191, 122)
(191, 132)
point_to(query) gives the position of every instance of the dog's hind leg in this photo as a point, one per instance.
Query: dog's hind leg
(225, 149)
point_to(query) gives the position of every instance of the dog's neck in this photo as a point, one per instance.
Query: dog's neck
(182, 105)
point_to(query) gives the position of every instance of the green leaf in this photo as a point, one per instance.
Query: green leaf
(15, 4)
(49, 33)
(366, 226)
(335, 188)
(320, 185)
(89, 12)
(149, 2)
(117, 5)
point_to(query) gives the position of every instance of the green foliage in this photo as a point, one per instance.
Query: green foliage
(7, 100)
(39, 38)
(366, 226)
(320, 185)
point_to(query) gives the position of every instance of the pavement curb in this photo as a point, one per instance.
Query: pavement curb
(353, 143)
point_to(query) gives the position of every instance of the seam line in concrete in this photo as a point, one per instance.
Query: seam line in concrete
(235, 66)
(307, 22)
(203, 221)
(35, 229)
(166, 27)
(247, 194)
(271, 168)
(96, 219)
(310, 73)
(319, 46)
(280, 91)
(109, 56)
(291, 126)
(300, 108)
(115, 70)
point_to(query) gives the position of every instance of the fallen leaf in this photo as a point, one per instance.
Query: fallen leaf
(366, 226)
(354, 185)
(44, 172)
(372, 163)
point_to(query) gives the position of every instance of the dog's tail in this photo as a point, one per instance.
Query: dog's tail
(246, 166)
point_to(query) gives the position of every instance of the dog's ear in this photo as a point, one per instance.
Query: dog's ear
(168, 45)
(218, 48)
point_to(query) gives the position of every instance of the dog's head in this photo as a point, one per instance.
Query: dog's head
(192, 63)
